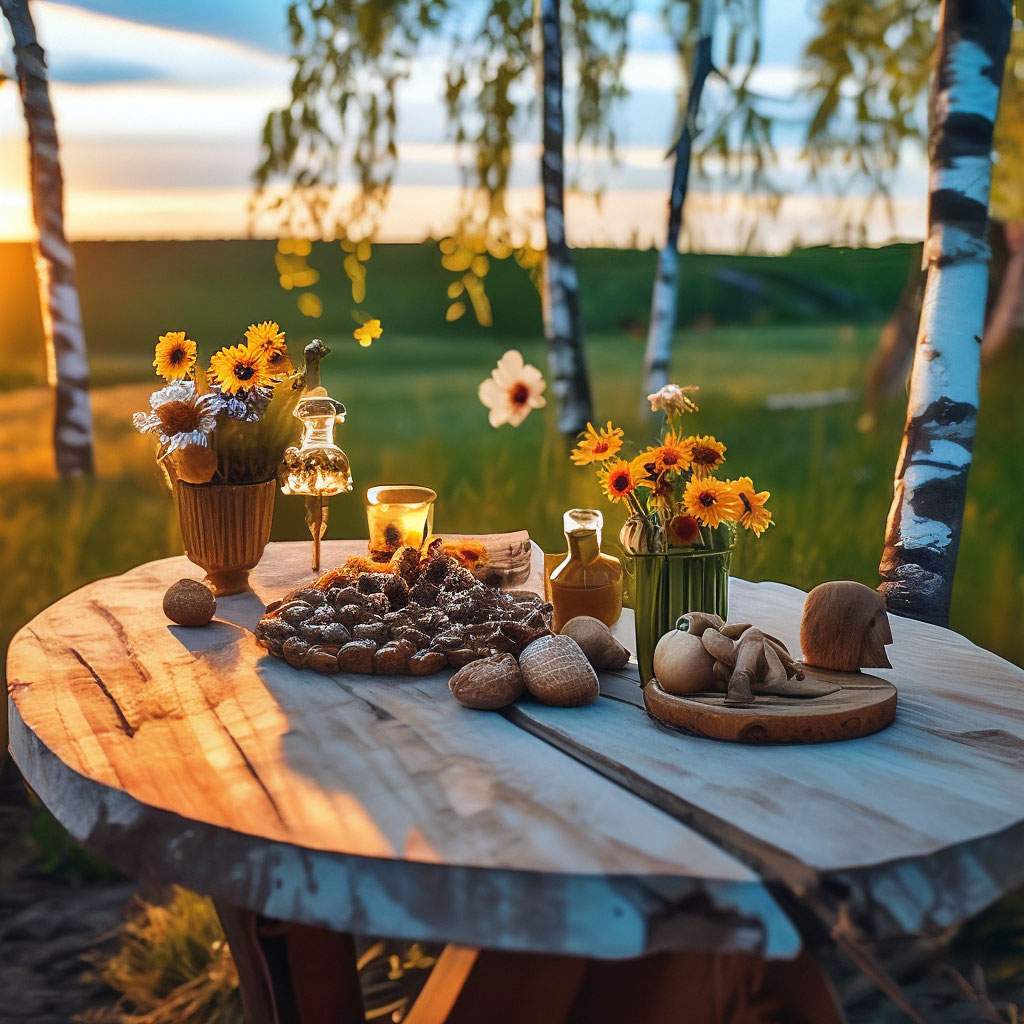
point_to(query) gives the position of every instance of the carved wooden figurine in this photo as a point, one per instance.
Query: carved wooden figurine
(744, 661)
(845, 627)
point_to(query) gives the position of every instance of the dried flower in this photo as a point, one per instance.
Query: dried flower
(470, 554)
(674, 400)
(178, 416)
(247, 406)
(512, 390)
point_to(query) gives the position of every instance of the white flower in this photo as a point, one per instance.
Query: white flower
(512, 390)
(179, 417)
(673, 400)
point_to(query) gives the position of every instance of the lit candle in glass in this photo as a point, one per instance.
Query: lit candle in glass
(398, 515)
(317, 467)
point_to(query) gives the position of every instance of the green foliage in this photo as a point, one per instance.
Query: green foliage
(58, 854)
(414, 415)
(1008, 171)
(735, 129)
(251, 452)
(172, 965)
(868, 71)
(349, 58)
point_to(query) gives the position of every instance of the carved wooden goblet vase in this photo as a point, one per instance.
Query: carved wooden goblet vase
(225, 528)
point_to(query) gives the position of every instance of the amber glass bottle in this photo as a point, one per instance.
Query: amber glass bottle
(586, 582)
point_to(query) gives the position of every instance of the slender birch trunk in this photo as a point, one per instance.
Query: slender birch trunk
(664, 296)
(923, 531)
(560, 294)
(66, 364)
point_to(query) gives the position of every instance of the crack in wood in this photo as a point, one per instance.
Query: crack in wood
(799, 889)
(252, 771)
(125, 726)
(111, 619)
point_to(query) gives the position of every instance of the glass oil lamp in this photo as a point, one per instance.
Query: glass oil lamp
(316, 468)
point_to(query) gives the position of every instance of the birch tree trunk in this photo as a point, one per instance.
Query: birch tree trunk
(560, 292)
(664, 296)
(66, 364)
(923, 531)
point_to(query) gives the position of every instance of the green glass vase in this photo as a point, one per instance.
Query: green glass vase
(662, 586)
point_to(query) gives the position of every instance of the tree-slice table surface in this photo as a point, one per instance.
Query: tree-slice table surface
(379, 806)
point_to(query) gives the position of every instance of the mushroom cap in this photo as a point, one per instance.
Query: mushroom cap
(596, 642)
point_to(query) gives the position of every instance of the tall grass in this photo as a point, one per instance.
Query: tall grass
(414, 417)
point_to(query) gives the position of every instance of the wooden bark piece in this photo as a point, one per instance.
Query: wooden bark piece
(863, 705)
(369, 804)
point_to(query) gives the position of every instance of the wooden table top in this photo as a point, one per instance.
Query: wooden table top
(379, 805)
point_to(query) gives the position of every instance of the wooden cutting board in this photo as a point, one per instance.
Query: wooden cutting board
(864, 705)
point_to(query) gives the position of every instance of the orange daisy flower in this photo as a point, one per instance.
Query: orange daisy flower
(597, 445)
(706, 454)
(754, 515)
(270, 338)
(618, 480)
(672, 455)
(711, 501)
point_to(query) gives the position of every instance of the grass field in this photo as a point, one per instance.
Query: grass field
(750, 328)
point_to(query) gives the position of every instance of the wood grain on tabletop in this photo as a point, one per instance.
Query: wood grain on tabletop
(373, 804)
(924, 820)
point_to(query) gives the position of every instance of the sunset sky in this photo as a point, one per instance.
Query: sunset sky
(160, 105)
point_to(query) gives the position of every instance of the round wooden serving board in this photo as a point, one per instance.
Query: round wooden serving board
(864, 705)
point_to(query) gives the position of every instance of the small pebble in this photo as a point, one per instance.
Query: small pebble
(189, 603)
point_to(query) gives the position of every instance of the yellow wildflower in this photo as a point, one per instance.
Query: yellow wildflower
(238, 368)
(706, 454)
(175, 356)
(754, 515)
(368, 333)
(270, 338)
(711, 501)
(672, 455)
(618, 480)
(597, 445)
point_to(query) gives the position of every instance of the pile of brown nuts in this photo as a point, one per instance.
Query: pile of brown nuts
(415, 618)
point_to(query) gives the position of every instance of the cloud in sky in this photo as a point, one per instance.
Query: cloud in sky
(152, 95)
(257, 23)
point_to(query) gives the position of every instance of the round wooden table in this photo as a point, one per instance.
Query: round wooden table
(379, 806)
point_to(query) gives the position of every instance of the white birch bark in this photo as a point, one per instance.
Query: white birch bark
(67, 367)
(923, 530)
(560, 290)
(664, 295)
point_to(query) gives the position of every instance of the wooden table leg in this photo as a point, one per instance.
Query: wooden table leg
(292, 973)
(468, 986)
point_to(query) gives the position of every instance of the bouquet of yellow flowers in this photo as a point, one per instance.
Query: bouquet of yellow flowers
(674, 497)
(231, 422)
